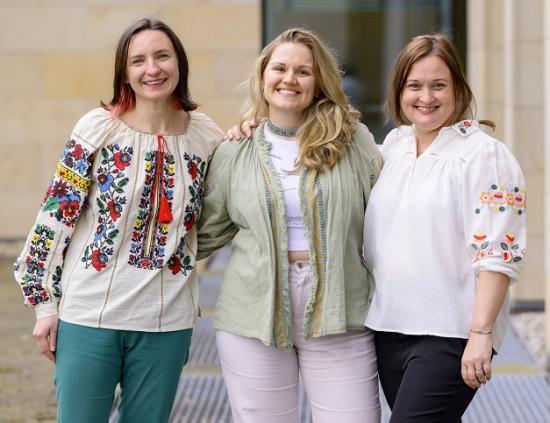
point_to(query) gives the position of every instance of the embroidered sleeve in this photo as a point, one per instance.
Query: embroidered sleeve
(495, 211)
(215, 227)
(38, 269)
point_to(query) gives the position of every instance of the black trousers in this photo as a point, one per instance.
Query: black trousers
(420, 377)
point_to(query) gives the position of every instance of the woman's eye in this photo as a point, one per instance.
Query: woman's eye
(439, 85)
(303, 72)
(136, 61)
(163, 56)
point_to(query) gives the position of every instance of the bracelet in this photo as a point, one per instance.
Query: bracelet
(480, 332)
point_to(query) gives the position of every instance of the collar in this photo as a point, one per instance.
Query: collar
(466, 127)
(463, 128)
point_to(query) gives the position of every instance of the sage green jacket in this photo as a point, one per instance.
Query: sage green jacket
(244, 202)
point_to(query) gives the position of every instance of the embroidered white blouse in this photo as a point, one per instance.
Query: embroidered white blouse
(434, 222)
(102, 252)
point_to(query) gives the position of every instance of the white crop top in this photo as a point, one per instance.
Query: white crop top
(283, 156)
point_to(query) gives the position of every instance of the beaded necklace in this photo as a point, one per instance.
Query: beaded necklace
(289, 133)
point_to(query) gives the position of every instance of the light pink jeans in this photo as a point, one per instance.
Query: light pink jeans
(338, 372)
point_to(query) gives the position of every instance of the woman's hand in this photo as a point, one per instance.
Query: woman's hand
(45, 335)
(476, 360)
(236, 133)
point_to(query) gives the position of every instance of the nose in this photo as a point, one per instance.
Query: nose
(152, 66)
(426, 95)
(289, 77)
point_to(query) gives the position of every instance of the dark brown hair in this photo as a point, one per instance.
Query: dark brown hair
(418, 48)
(123, 96)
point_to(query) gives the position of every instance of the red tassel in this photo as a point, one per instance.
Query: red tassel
(165, 214)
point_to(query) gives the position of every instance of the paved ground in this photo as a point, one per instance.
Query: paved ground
(519, 392)
(26, 388)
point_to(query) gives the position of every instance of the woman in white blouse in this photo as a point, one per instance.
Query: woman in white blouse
(445, 235)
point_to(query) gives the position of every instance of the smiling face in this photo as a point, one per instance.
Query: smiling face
(427, 99)
(152, 67)
(289, 83)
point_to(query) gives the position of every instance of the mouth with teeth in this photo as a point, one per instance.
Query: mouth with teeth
(154, 82)
(287, 92)
(426, 109)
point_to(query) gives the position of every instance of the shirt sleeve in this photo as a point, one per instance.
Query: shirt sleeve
(215, 227)
(370, 154)
(39, 267)
(495, 211)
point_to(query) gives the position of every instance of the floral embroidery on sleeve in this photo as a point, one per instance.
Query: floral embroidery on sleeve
(180, 262)
(66, 193)
(56, 276)
(510, 251)
(32, 281)
(498, 199)
(111, 180)
(196, 167)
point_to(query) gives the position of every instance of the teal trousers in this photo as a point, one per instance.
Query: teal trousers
(90, 362)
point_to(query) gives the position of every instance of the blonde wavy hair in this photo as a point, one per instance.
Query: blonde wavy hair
(328, 122)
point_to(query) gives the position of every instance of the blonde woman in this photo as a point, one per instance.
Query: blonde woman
(295, 293)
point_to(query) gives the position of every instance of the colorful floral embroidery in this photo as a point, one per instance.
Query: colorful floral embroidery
(179, 262)
(111, 180)
(464, 126)
(77, 158)
(66, 193)
(196, 167)
(480, 245)
(56, 282)
(56, 276)
(40, 246)
(149, 237)
(510, 252)
(498, 199)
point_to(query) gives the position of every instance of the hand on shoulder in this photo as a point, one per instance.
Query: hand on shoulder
(245, 131)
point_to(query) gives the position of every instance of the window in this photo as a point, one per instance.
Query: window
(366, 36)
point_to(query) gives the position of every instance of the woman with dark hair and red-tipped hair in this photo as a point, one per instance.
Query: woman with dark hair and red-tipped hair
(109, 266)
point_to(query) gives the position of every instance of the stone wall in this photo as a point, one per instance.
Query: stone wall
(506, 69)
(56, 63)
